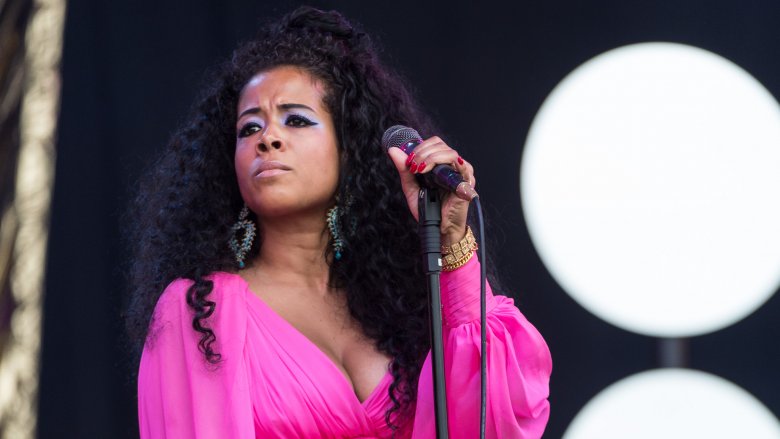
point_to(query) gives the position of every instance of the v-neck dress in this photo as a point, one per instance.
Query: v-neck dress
(273, 382)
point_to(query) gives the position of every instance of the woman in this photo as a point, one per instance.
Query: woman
(294, 303)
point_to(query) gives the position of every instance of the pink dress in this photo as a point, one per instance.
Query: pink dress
(273, 382)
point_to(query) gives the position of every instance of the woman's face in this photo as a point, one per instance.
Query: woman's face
(287, 159)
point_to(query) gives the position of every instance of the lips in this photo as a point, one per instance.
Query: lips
(271, 167)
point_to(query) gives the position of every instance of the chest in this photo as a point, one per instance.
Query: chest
(297, 390)
(325, 322)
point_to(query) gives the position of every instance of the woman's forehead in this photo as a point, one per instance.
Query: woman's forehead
(284, 84)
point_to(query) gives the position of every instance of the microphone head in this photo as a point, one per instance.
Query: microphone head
(399, 135)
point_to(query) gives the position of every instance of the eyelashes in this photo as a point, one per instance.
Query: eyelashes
(298, 121)
(292, 120)
(248, 129)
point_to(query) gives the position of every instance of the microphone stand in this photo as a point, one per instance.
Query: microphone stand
(429, 214)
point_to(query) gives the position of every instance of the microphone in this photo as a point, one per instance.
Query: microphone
(442, 176)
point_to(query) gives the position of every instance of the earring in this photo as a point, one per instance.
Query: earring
(249, 228)
(332, 218)
(334, 226)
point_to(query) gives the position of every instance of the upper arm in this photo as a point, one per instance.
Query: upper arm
(180, 394)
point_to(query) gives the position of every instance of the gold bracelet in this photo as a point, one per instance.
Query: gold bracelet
(456, 255)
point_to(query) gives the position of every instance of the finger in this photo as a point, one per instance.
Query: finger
(431, 141)
(428, 161)
(466, 170)
(428, 147)
(398, 158)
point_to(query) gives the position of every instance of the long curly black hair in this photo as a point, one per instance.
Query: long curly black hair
(188, 201)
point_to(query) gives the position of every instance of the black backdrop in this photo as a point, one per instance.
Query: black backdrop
(482, 69)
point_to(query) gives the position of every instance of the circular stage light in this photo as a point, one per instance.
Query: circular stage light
(671, 404)
(650, 184)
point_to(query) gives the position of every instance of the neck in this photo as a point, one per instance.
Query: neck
(293, 252)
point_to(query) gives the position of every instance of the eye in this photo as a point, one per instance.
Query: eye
(298, 121)
(249, 129)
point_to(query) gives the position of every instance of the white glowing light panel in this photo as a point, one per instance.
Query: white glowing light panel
(650, 183)
(674, 404)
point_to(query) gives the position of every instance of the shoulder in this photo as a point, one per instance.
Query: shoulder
(228, 295)
(225, 287)
(174, 373)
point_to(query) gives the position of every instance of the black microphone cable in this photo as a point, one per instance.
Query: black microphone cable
(482, 318)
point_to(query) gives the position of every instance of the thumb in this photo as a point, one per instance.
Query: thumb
(408, 182)
(398, 157)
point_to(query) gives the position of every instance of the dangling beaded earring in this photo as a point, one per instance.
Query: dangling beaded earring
(332, 218)
(249, 228)
(334, 226)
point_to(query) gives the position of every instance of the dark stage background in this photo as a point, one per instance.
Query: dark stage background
(482, 69)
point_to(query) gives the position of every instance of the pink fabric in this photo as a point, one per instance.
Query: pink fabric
(275, 383)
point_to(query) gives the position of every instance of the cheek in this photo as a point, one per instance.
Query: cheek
(332, 164)
(242, 159)
(243, 155)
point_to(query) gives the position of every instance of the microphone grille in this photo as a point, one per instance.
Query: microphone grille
(398, 135)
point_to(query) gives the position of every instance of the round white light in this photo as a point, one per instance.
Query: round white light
(650, 184)
(671, 404)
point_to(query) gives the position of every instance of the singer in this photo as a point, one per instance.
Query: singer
(277, 287)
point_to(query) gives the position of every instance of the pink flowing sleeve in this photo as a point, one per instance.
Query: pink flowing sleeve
(180, 394)
(518, 366)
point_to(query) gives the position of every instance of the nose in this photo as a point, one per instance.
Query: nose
(269, 139)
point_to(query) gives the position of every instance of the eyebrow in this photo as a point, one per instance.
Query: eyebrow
(255, 110)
